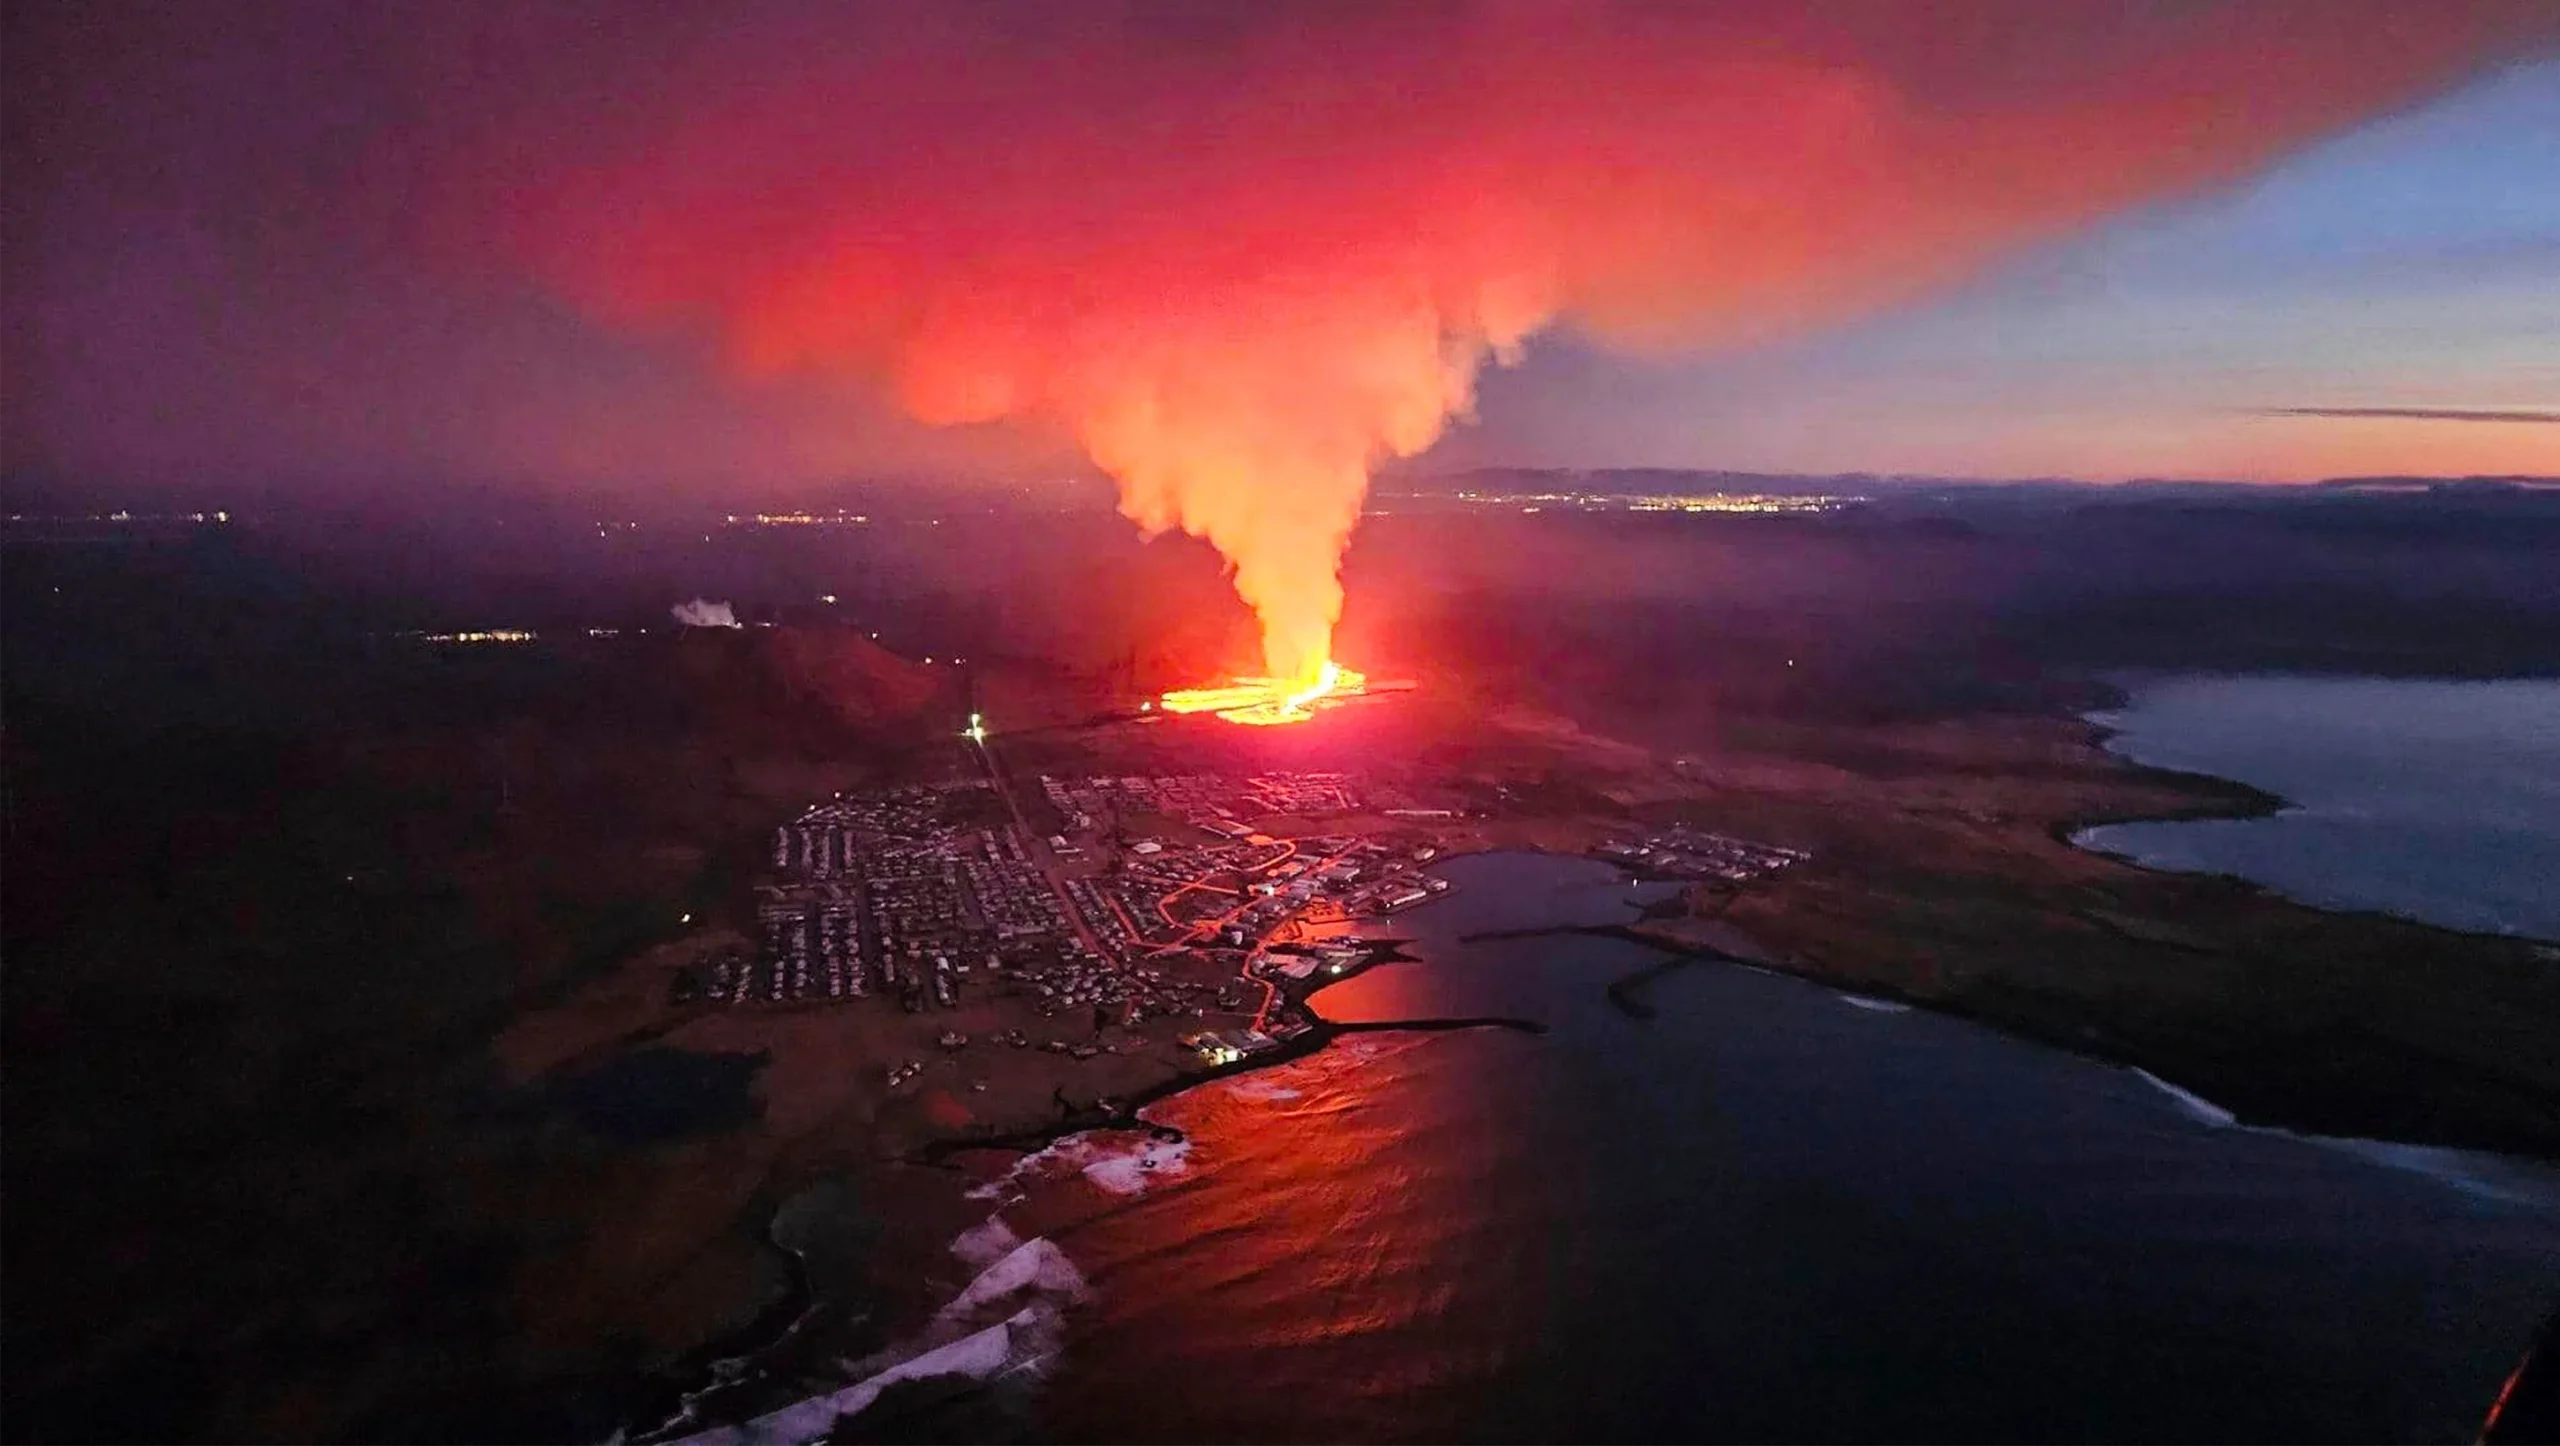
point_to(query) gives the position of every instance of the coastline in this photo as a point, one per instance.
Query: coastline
(2068, 834)
(2196, 1096)
(2247, 802)
(1321, 1032)
(1125, 1115)
(2285, 1082)
(2469, 1175)
(2220, 1068)
(2086, 1041)
(729, 1361)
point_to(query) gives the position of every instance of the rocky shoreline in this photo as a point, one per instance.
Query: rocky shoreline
(2255, 1098)
(729, 1364)
(1842, 927)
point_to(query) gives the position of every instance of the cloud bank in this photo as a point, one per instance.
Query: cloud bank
(2419, 414)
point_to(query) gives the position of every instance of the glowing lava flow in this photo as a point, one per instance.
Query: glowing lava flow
(1265, 701)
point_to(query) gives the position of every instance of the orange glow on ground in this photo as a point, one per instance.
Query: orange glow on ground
(1262, 702)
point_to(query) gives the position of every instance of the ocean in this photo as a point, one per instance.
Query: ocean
(1772, 1211)
(2435, 800)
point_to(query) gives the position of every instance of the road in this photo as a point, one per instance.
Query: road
(1048, 866)
(1041, 857)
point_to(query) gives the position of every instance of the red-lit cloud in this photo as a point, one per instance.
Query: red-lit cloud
(1243, 258)
(1237, 252)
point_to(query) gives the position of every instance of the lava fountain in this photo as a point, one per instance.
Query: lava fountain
(1266, 701)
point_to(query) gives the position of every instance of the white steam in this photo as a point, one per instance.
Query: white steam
(704, 613)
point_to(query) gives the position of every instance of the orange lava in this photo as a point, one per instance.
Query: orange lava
(1263, 702)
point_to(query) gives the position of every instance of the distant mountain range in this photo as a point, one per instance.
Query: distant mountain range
(1677, 481)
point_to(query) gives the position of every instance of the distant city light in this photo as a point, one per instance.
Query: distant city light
(1768, 502)
(798, 519)
(483, 635)
(122, 517)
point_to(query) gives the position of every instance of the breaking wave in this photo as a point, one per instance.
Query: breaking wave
(1036, 1268)
(985, 1243)
(2194, 1106)
(1123, 1162)
(1250, 1087)
(1021, 1340)
(2475, 1173)
(1027, 1288)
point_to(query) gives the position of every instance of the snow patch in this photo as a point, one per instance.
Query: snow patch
(1877, 1006)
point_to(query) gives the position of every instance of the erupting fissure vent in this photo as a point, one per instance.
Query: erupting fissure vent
(1265, 701)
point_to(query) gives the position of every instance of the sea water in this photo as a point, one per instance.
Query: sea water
(2436, 800)
(1766, 1213)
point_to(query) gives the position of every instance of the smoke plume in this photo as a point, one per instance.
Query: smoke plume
(704, 613)
(1243, 257)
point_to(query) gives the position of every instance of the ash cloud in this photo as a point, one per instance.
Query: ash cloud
(1236, 255)
(1242, 259)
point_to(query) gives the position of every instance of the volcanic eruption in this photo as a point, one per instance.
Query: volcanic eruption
(1268, 700)
(1242, 257)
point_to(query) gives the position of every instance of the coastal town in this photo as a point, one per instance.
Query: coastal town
(1130, 900)
(1186, 915)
